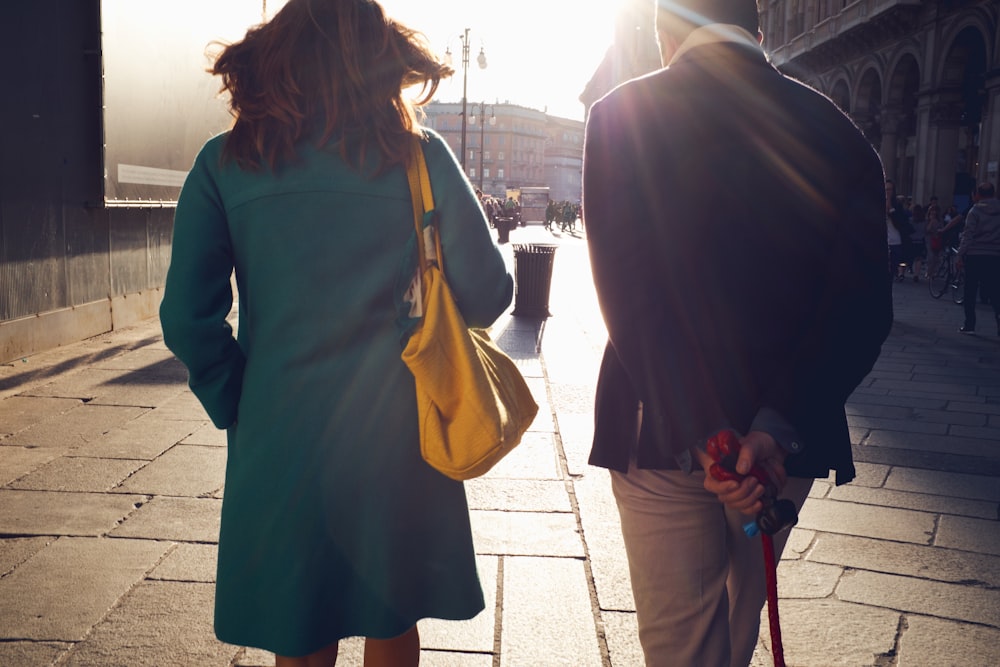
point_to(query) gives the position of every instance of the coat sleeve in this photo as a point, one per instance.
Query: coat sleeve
(852, 321)
(198, 296)
(475, 269)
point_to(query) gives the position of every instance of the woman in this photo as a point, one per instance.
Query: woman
(332, 524)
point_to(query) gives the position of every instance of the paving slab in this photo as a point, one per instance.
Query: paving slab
(622, 633)
(926, 562)
(932, 388)
(158, 623)
(990, 432)
(880, 522)
(991, 409)
(83, 384)
(16, 461)
(957, 485)
(548, 619)
(183, 470)
(923, 502)
(972, 604)
(864, 396)
(206, 434)
(934, 642)
(75, 428)
(526, 533)
(475, 635)
(969, 534)
(900, 425)
(16, 550)
(183, 406)
(24, 654)
(188, 562)
(932, 443)
(141, 391)
(58, 513)
(831, 633)
(145, 437)
(71, 473)
(20, 412)
(65, 589)
(518, 495)
(576, 434)
(869, 474)
(535, 458)
(799, 541)
(605, 545)
(177, 519)
(805, 579)
(147, 359)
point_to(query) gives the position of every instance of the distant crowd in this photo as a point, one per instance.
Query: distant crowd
(918, 233)
(565, 213)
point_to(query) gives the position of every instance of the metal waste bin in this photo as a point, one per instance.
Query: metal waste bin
(504, 225)
(533, 278)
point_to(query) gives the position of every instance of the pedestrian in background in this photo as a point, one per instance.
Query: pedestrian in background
(332, 524)
(979, 254)
(898, 230)
(761, 319)
(918, 240)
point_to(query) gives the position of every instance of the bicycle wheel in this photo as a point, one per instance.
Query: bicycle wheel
(958, 287)
(938, 283)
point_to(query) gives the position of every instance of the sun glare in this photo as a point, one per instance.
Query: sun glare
(539, 53)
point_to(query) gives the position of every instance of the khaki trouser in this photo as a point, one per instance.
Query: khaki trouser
(698, 580)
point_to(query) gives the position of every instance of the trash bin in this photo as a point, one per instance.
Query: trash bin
(504, 225)
(533, 278)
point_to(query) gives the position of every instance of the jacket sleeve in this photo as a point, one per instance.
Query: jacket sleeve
(473, 265)
(198, 297)
(853, 319)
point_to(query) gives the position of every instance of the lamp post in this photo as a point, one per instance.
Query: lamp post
(482, 133)
(481, 60)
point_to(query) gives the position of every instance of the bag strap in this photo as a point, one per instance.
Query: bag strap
(423, 203)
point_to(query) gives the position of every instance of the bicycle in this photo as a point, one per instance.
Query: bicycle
(948, 276)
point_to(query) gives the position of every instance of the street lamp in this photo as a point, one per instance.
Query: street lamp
(481, 60)
(482, 132)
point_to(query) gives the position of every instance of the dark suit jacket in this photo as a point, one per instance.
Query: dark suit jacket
(736, 226)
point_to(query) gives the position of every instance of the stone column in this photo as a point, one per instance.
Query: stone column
(890, 121)
(989, 138)
(940, 151)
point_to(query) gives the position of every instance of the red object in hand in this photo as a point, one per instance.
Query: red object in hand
(775, 515)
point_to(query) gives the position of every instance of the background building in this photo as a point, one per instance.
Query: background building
(515, 147)
(920, 77)
(106, 103)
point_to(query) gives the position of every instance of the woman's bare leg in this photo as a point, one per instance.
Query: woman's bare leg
(401, 651)
(325, 657)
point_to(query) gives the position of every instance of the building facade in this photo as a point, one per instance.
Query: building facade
(510, 146)
(921, 78)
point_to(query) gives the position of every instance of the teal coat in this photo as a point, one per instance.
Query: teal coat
(332, 524)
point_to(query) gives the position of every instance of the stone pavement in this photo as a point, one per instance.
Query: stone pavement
(111, 481)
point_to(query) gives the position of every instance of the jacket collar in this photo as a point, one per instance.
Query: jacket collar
(715, 33)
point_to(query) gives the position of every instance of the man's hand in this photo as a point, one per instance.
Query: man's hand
(756, 448)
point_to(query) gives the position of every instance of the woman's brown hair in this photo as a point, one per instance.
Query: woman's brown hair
(325, 70)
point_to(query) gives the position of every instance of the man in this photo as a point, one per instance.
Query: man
(721, 313)
(979, 254)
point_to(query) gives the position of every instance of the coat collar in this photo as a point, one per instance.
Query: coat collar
(716, 33)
